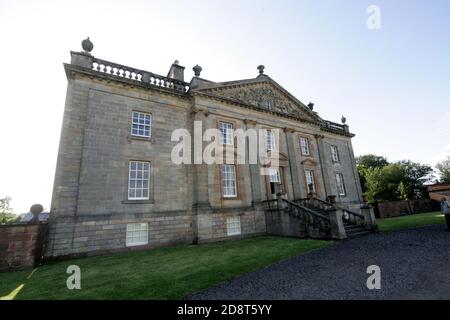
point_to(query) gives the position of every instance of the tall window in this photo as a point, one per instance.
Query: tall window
(137, 234)
(334, 154)
(141, 124)
(340, 184)
(310, 180)
(226, 132)
(275, 176)
(270, 140)
(229, 180)
(138, 180)
(233, 226)
(304, 145)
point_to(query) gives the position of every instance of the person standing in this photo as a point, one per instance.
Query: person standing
(445, 206)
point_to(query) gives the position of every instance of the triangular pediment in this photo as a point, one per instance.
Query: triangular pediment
(263, 93)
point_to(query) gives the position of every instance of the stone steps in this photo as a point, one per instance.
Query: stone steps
(353, 231)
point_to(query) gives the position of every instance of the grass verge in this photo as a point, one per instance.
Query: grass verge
(165, 273)
(410, 221)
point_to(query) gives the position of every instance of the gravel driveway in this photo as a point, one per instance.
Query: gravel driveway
(415, 264)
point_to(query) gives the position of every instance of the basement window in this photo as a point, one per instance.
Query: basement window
(137, 234)
(233, 226)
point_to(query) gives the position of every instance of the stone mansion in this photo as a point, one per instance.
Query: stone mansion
(117, 188)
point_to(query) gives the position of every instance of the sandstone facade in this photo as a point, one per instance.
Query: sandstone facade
(91, 207)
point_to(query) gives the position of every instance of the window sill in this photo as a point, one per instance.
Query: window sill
(233, 234)
(138, 201)
(136, 244)
(230, 198)
(131, 138)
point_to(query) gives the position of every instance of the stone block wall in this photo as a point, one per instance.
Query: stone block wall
(389, 209)
(21, 245)
(282, 224)
(212, 224)
(90, 206)
(99, 234)
(346, 166)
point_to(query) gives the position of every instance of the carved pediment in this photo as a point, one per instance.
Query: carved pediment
(265, 95)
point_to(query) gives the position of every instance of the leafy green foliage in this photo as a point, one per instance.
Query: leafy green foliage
(401, 180)
(6, 212)
(371, 161)
(444, 170)
(366, 162)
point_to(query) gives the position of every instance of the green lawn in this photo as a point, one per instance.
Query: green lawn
(166, 273)
(410, 221)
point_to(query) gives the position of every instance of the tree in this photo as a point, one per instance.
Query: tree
(371, 161)
(415, 177)
(382, 184)
(368, 161)
(6, 212)
(397, 181)
(444, 170)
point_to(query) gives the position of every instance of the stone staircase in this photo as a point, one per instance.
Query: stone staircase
(318, 218)
(353, 230)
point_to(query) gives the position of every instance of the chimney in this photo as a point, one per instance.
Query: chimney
(176, 71)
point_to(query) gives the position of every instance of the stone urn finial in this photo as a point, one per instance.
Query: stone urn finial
(343, 120)
(260, 69)
(36, 209)
(197, 70)
(87, 45)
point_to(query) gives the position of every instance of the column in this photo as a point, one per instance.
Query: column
(293, 161)
(323, 164)
(201, 204)
(255, 175)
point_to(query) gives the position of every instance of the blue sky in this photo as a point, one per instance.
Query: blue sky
(392, 84)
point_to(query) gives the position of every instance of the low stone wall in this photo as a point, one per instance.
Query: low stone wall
(21, 245)
(398, 208)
